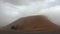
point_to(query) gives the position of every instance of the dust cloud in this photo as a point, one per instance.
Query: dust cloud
(11, 10)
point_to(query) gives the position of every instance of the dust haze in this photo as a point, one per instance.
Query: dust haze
(11, 10)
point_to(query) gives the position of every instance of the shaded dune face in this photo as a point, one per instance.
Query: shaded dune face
(32, 24)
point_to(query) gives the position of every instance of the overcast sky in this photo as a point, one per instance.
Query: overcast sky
(11, 10)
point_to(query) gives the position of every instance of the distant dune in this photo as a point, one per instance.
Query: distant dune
(32, 24)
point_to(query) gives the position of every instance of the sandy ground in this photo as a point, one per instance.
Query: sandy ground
(36, 23)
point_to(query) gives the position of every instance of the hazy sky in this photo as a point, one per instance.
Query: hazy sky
(11, 10)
